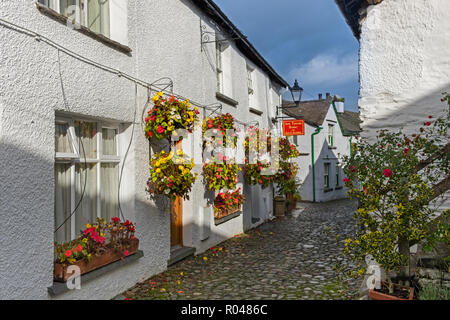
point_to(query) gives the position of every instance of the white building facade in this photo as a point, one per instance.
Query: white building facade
(403, 63)
(91, 83)
(326, 141)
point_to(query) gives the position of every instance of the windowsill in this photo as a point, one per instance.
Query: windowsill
(226, 99)
(339, 188)
(327, 190)
(255, 111)
(227, 218)
(334, 148)
(59, 288)
(86, 31)
(303, 154)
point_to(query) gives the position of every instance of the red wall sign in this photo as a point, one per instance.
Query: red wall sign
(293, 127)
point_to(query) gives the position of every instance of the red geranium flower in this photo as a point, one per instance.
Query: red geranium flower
(346, 180)
(68, 253)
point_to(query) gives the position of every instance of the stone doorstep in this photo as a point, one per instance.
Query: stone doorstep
(180, 254)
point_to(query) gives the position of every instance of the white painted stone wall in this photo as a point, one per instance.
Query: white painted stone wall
(404, 63)
(322, 154)
(37, 83)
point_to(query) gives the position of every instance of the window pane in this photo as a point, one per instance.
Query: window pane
(86, 133)
(62, 138)
(87, 210)
(67, 7)
(98, 16)
(62, 202)
(110, 190)
(109, 142)
(47, 3)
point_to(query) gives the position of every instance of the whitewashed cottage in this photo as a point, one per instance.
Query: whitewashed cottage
(328, 136)
(68, 65)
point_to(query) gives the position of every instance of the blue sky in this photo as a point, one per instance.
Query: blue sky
(307, 40)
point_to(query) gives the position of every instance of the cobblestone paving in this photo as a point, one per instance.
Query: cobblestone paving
(292, 257)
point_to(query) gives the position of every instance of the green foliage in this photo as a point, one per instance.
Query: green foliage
(434, 292)
(394, 189)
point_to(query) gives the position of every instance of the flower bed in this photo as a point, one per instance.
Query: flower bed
(227, 203)
(169, 115)
(171, 175)
(100, 244)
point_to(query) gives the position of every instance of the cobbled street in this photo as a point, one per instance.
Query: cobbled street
(292, 257)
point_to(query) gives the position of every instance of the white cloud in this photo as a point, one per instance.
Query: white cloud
(327, 69)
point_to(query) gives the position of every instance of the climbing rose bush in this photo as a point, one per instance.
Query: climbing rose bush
(395, 180)
(170, 175)
(168, 115)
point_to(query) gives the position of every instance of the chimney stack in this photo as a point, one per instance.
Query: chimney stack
(328, 95)
(320, 96)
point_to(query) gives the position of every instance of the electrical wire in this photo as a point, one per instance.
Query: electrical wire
(41, 38)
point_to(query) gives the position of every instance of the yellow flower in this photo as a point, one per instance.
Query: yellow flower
(181, 168)
(71, 260)
(180, 152)
(181, 273)
(360, 272)
(205, 258)
(158, 170)
(88, 226)
(84, 240)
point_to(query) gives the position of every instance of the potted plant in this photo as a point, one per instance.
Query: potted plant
(99, 244)
(171, 175)
(227, 203)
(395, 209)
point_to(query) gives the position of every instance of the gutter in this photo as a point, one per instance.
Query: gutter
(312, 162)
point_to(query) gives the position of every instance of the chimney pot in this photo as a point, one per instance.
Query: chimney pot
(320, 96)
(328, 95)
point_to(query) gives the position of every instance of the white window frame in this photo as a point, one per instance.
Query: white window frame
(250, 82)
(326, 174)
(331, 135)
(76, 158)
(55, 5)
(219, 66)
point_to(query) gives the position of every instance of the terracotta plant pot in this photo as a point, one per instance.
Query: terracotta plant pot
(292, 202)
(60, 269)
(376, 295)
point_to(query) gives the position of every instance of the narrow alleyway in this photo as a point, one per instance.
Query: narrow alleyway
(293, 257)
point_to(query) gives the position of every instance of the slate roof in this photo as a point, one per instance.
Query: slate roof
(350, 123)
(315, 111)
(312, 111)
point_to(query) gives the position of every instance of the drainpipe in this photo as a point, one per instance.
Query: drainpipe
(312, 162)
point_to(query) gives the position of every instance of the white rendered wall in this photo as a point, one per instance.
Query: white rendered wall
(404, 63)
(37, 83)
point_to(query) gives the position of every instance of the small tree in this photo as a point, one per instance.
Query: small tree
(395, 179)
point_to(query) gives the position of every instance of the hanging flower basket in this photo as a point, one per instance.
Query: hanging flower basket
(220, 176)
(170, 175)
(99, 245)
(227, 203)
(169, 115)
(287, 150)
(253, 176)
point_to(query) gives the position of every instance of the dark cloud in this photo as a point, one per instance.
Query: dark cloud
(298, 37)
